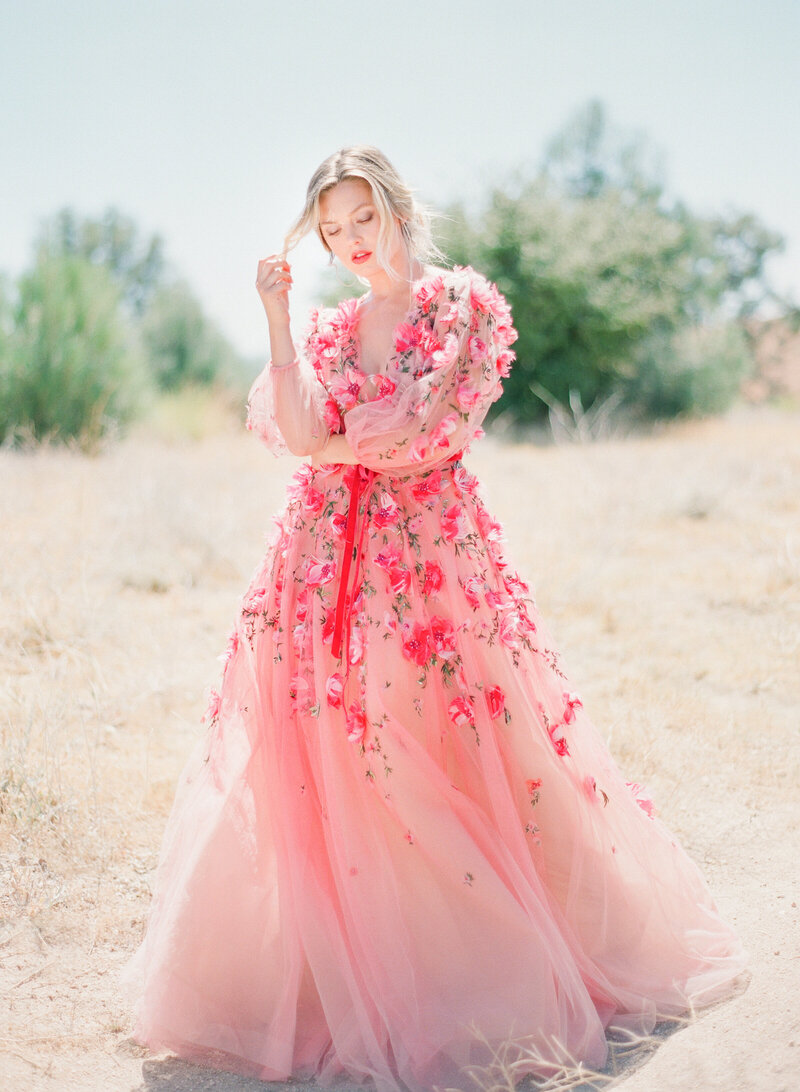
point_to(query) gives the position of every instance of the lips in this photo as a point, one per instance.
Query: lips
(361, 256)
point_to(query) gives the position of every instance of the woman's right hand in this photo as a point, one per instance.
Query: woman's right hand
(273, 281)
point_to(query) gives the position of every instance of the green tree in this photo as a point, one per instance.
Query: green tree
(605, 279)
(113, 241)
(69, 368)
(183, 346)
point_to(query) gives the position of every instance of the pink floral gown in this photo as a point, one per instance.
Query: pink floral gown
(401, 841)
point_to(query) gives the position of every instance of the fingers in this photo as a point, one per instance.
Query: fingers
(274, 272)
(274, 261)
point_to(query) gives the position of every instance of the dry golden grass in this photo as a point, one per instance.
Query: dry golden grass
(667, 567)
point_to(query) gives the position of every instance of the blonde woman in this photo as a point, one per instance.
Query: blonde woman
(402, 844)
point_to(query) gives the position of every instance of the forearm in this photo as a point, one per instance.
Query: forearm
(336, 450)
(281, 346)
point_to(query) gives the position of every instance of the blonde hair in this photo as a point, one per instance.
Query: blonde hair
(390, 194)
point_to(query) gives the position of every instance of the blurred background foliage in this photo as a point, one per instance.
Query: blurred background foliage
(626, 303)
(99, 332)
(617, 294)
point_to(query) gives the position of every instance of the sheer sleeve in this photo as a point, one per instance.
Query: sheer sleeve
(289, 406)
(449, 370)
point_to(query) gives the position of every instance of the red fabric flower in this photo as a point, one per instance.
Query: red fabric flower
(433, 578)
(496, 701)
(461, 712)
(417, 643)
(356, 723)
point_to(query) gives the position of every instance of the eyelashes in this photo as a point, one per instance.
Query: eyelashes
(331, 234)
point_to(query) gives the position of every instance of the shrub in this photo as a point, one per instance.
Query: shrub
(699, 370)
(69, 368)
(183, 346)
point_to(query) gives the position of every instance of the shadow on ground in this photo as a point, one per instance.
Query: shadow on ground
(626, 1055)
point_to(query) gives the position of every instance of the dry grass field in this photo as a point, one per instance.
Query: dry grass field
(668, 567)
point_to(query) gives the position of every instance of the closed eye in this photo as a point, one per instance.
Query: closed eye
(331, 232)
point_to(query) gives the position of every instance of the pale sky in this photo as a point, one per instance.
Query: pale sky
(204, 121)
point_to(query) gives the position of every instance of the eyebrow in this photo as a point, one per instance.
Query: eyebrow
(361, 206)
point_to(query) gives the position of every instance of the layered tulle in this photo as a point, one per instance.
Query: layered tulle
(389, 865)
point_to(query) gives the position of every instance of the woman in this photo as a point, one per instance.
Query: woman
(403, 844)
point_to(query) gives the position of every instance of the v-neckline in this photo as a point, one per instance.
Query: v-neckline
(356, 361)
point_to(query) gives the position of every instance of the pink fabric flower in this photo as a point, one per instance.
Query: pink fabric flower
(448, 315)
(433, 578)
(356, 723)
(331, 416)
(491, 529)
(256, 601)
(532, 784)
(417, 643)
(400, 579)
(428, 291)
(427, 342)
(334, 690)
(231, 649)
(443, 638)
(444, 356)
(388, 557)
(429, 486)
(386, 386)
(418, 452)
(478, 349)
(440, 437)
(453, 522)
(481, 297)
(313, 501)
(461, 712)
(572, 702)
(301, 480)
(515, 586)
(387, 513)
(344, 320)
(346, 388)
(326, 343)
(467, 397)
(509, 629)
(465, 481)
(503, 362)
(405, 337)
(473, 585)
(338, 523)
(319, 572)
(357, 645)
(496, 701)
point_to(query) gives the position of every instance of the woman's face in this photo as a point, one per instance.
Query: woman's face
(350, 225)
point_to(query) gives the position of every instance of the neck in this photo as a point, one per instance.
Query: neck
(383, 288)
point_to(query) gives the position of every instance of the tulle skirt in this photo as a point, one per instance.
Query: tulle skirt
(391, 866)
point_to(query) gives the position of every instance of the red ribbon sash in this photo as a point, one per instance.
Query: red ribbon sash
(358, 479)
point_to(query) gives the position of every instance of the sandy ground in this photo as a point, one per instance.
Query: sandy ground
(668, 568)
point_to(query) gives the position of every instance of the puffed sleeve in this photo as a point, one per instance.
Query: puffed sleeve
(450, 367)
(289, 407)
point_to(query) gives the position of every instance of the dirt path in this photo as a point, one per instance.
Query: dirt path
(668, 568)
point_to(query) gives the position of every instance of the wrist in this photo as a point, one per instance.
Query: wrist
(285, 366)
